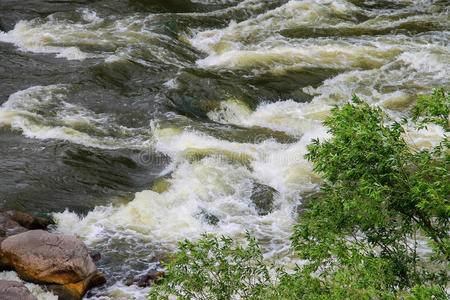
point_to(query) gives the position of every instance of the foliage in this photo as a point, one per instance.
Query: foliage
(360, 236)
(378, 194)
(215, 268)
(433, 109)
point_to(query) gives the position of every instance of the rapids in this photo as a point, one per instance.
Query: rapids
(137, 124)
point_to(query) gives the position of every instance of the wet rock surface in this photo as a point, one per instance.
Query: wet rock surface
(263, 198)
(61, 262)
(95, 255)
(153, 277)
(28, 221)
(13, 222)
(8, 226)
(14, 290)
(208, 217)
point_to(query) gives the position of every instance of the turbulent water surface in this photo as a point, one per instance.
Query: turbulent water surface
(139, 123)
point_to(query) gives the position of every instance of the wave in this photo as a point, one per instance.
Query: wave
(83, 35)
(45, 112)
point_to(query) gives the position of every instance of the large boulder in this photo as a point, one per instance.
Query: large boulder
(14, 290)
(59, 261)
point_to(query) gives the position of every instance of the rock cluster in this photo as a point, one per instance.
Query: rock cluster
(60, 262)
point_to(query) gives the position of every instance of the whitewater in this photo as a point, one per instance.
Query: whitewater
(138, 125)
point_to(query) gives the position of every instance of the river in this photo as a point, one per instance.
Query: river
(137, 123)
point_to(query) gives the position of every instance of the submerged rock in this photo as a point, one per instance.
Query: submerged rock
(208, 217)
(147, 279)
(195, 154)
(59, 261)
(262, 197)
(14, 290)
(161, 185)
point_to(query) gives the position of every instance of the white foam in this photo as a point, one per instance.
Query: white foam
(256, 45)
(91, 36)
(287, 116)
(43, 112)
(215, 176)
(31, 37)
(90, 16)
(121, 291)
(258, 29)
(296, 57)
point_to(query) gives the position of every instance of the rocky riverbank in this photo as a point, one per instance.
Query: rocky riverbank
(59, 263)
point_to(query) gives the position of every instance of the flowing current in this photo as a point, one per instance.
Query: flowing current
(137, 124)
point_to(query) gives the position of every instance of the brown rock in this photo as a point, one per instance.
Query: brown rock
(76, 290)
(96, 280)
(8, 226)
(96, 256)
(47, 257)
(69, 291)
(60, 261)
(13, 222)
(129, 282)
(14, 290)
(149, 278)
(29, 221)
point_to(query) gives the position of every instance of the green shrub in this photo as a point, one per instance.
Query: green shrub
(215, 268)
(378, 195)
(433, 109)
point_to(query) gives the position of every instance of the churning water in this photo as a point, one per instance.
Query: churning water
(138, 123)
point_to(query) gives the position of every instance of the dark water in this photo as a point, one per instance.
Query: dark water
(101, 99)
(46, 176)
